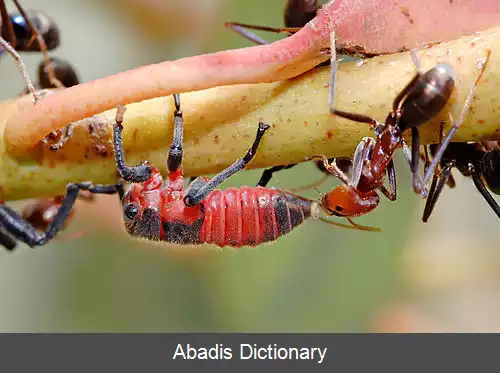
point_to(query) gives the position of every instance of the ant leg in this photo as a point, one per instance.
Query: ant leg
(390, 193)
(174, 161)
(439, 154)
(137, 174)
(438, 183)
(196, 194)
(7, 241)
(375, 125)
(42, 45)
(415, 158)
(332, 168)
(267, 174)
(362, 153)
(399, 100)
(243, 31)
(25, 232)
(277, 30)
(5, 45)
(7, 29)
(333, 71)
(478, 182)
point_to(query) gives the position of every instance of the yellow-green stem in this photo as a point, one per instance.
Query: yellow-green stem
(220, 123)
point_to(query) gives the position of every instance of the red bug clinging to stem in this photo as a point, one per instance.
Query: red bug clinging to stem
(166, 212)
(203, 214)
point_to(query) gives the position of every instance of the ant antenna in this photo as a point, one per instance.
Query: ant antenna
(352, 225)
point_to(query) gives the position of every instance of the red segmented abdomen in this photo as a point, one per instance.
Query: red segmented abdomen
(250, 216)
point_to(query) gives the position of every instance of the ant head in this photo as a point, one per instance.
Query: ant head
(425, 96)
(346, 201)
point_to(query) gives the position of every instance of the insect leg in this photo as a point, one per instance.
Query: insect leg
(362, 153)
(196, 195)
(136, 174)
(390, 193)
(478, 182)
(267, 174)
(438, 183)
(25, 232)
(174, 161)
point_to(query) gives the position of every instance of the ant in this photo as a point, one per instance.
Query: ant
(481, 162)
(421, 100)
(18, 32)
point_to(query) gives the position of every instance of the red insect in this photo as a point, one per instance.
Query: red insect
(422, 99)
(201, 213)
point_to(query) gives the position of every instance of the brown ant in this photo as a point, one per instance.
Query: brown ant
(421, 100)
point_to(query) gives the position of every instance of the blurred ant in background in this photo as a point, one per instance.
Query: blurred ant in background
(479, 161)
(19, 32)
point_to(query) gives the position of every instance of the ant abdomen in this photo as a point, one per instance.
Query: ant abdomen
(44, 24)
(64, 72)
(490, 170)
(299, 12)
(427, 97)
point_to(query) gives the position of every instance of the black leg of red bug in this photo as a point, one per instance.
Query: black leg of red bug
(23, 231)
(137, 174)
(174, 161)
(195, 195)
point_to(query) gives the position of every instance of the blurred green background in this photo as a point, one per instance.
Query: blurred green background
(319, 278)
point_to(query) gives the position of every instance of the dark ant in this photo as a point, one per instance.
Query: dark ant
(421, 100)
(20, 30)
(475, 160)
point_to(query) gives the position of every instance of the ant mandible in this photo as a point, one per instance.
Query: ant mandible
(421, 100)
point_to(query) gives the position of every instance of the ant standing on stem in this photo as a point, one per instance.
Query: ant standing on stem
(422, 99)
